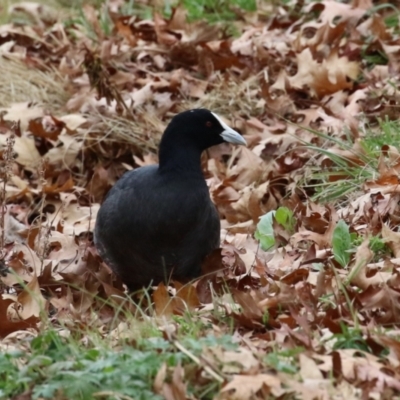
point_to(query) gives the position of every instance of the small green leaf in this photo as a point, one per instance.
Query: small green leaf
(265, 228)
(265, 231)
(284, 217)
(341, 243)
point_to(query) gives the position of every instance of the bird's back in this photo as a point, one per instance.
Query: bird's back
(152, 227)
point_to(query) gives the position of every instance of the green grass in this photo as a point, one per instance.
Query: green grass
(119, 361)
(388, 133)
(345, 177)
(55, 369)
(217, 10)
(350, 338)
(83, 368)
(213, 11)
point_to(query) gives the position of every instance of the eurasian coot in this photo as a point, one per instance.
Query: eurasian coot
(158, 222)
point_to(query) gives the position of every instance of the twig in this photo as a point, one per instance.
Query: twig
(8, 157)
(208, 369)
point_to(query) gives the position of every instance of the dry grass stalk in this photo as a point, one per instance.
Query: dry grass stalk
(19, 83)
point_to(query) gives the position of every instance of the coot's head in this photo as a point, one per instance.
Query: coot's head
(200, 128)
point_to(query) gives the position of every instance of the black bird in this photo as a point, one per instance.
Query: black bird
(158, 221)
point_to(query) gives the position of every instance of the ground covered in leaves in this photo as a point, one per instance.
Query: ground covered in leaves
(302, 303)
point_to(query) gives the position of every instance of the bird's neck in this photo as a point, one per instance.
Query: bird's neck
(185, 160)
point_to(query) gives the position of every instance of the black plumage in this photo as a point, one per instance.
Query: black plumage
(158, 222)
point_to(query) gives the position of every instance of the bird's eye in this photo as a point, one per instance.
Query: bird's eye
(209, 124)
